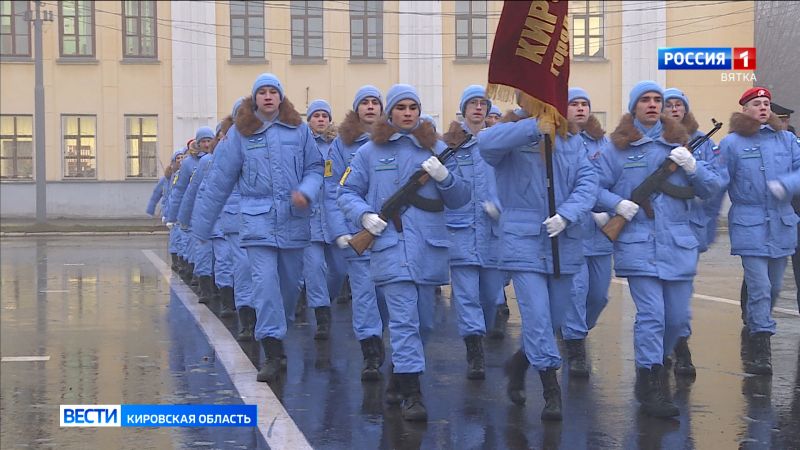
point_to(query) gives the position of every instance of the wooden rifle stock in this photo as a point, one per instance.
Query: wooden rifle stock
(614, 227)
(362, 241)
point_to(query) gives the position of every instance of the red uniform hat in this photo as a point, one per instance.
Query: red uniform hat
(753, 93)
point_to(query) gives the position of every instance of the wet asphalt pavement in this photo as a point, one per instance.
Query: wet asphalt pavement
(115, 333)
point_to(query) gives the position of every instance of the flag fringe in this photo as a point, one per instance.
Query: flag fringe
(549, 118)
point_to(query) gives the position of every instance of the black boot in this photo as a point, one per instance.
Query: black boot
(683, 359)
(345, 295)
(393, 394)
(498, 330)
(226, 298)
(247, 321)
(323, 315)
(651, 395)
(206, 289)
(175, 262)
(552, 394)
(576, 358)
(273, 352)
(743, 297)
(761, 354)
(302, 304)
(413, 408)
(371, 348)
(515, 369)
(475, 363)
(186, 272)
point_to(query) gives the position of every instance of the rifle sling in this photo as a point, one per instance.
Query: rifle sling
(675, 191)
(425, 204)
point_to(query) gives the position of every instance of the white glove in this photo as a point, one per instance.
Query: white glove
(170, 225)
(627, 209)
(555, 225)
(777, 189)
(601, 219)
(491, 210)
(683, 157)
(435, 169)
(342, 241)
(164, 220)
(373, 223)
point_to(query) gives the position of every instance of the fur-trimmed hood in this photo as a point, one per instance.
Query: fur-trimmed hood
(626, 133)
(455, 134)
(248, 123)
(745, 125)
(226, 125)
(592, 128)
(690, 123)
(351, 128)
(425, 133)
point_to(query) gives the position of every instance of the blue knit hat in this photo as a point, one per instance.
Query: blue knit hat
(236, 107)
(400, 92)
(319, 105)
(204, 132)
(676, 93)
(640, 89)
(473, 91)
(575, 93)
(177, 152)
(267, 79)
(365, 91)
(495, 110)
(218, 128)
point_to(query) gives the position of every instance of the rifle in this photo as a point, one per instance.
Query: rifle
(657, 181)
(399, 201)
(551, 202)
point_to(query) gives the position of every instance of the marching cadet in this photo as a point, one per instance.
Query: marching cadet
(493, 116)
(159, 193)
(409, 257)
(763, 162)
(272, 155)
(590, 284)
(703, 215)
(515, 150)
(476, 282)
(174, 232)
(354, 132)
(317, 255)
(203, 251)
(658, 255)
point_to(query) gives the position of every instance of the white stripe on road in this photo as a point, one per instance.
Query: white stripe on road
(274, 423)
(719, 299)
(24, 358)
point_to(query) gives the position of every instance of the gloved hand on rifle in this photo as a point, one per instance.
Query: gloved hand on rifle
(777, 189)
(373, 223)
(343, 240)
(170, 225)
(627, 209)
(491, 210)
(435, 169)
(555, 225)
(601, 219)
(683, 157)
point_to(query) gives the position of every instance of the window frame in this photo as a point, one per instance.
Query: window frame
(78, 157)
(61, 34)
(15, 158)
(364, 15)
(247, 36)
(306, 36)
(14, 34)
(139, 35)
(583, 11)
(140, 137)
(470, 36)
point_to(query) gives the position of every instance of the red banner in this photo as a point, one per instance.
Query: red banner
(531, 54)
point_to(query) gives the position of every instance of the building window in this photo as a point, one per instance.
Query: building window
(139, 29)
(141, 146)
(470, 29)
(76, 28)
(587, 28)
(15, 31)
(79, 146)
(306, 29)
(16, 147)
(247, 29)
(366, 30)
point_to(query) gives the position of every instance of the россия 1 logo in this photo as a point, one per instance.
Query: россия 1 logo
(710, 58)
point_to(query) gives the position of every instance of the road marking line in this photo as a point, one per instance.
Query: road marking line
(274, 423)
(54, 291)
(24, 358)
(720, 299)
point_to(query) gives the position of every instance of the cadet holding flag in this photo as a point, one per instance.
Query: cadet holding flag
(545, 192)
